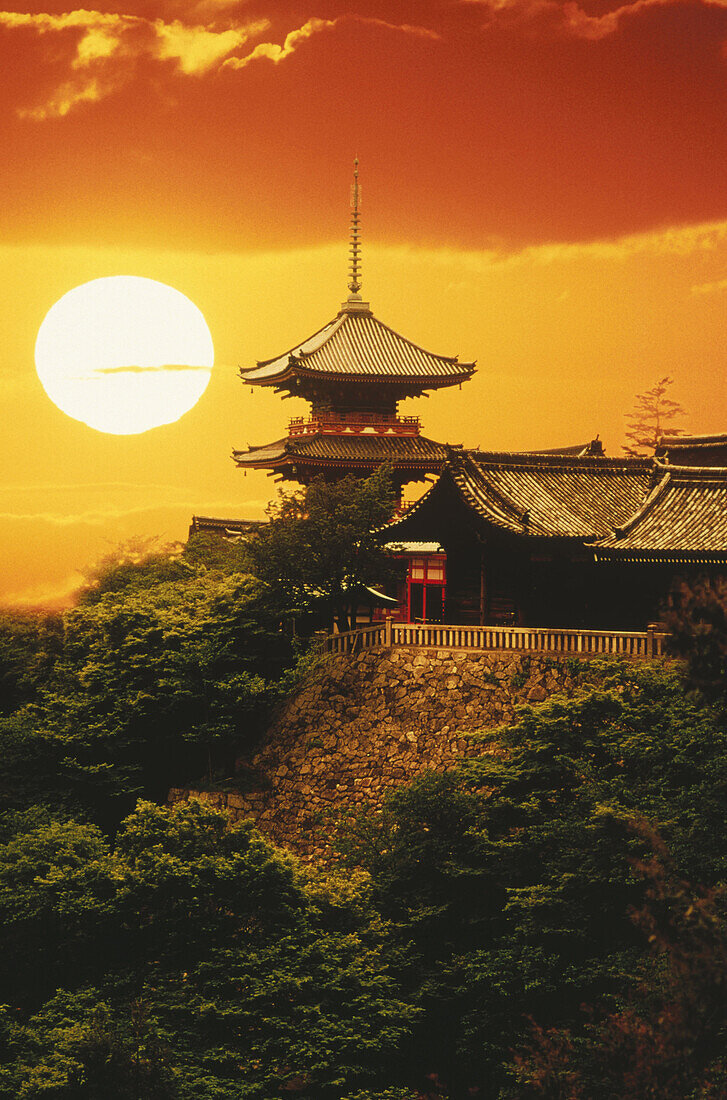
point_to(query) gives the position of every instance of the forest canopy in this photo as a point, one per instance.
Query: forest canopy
(549, 920)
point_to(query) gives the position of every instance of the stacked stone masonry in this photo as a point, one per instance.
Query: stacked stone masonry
(362, 723)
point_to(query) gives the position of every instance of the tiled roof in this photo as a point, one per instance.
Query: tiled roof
(693, 440)
(357, 345)
(551, 495)
(326, 448)
(693, 450)
(683, 519)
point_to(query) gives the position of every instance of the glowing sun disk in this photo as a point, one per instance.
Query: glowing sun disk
(124, 354)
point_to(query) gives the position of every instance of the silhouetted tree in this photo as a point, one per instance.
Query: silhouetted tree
(652, 417)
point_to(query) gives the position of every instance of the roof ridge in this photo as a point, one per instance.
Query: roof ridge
(413, 508)
(556, 461)
(714, 473)
(651, 499)
(689, 440)
(489, 492)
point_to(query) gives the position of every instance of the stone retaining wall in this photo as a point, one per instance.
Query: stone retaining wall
(362, 723)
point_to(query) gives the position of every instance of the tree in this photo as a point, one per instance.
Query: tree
(190, 959)
(668, 1039)
(163, 672)
(509, 880)
(696, 619)
(29, 646)
(651, 417)
(320, 543)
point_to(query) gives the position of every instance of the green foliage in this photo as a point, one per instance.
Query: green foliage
(545, 920)
(29, 645)
(385, 1094)
(668, 1038)
(510, 879)
(162, 673)
(134, 566)
(188, 960)
(208, 550)
(319, 543)
(79, 1046)
(696, 618)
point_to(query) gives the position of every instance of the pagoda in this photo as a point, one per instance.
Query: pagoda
(354, 372)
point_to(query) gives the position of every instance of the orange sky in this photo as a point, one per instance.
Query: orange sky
(545, 190)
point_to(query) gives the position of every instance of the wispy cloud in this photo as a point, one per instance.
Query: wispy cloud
(103, 516)
(138, 368)
(671, 241)
(109, 46)
(277, 52)
(57, 594)
(710, 288)
(197, 50)
(568, 18)
(106, 47)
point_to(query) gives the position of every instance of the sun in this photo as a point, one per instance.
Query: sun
(124, 354)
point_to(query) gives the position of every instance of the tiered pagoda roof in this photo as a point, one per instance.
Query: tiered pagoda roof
(355, 345)
(324, 450)
(354, 371)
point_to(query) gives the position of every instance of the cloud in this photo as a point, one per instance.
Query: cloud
(568, 18)
(276, 52)
(683, 240)
(108, 47)
(137, 368)
(103, 516)
(55, 595)
(197, 50)
(710, 288)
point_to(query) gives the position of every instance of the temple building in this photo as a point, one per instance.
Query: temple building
(354, 372)
(562, 539)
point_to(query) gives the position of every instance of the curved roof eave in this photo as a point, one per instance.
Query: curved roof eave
(354, 340)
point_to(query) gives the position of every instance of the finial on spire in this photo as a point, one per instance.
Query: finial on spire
(355, 284)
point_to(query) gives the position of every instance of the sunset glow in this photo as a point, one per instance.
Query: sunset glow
(545, 191)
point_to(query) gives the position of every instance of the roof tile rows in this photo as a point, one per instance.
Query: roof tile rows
(552, 495)
(625, 509)
(685, 515)
(324, 448)
(357, 345)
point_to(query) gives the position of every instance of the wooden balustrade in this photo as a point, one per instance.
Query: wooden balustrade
(579, 643)
(397, 425)
(351, 641)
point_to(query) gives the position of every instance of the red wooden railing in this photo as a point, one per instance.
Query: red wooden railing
(379, 423)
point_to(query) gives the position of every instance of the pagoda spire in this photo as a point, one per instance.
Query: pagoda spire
(355, 250)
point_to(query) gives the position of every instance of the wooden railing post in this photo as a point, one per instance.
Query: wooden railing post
(649, 644)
